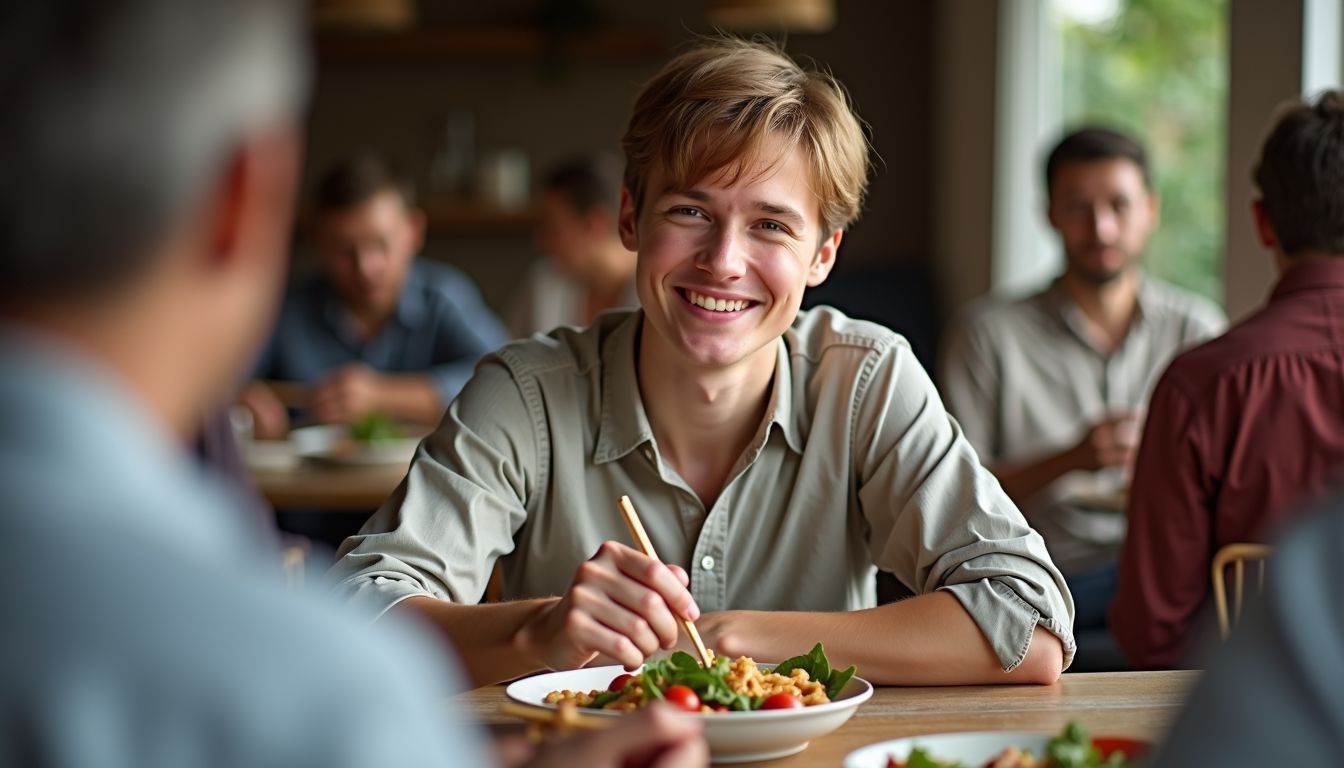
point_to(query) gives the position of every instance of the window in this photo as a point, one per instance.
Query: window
(1155, 68)
(1158, 69)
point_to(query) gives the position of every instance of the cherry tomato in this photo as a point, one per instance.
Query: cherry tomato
(619, 682)
(782, 701)
(719, 707)
(683, 698)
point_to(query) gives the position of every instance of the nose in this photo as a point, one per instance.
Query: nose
(723, 257)
(1105, 227)
(369, 263)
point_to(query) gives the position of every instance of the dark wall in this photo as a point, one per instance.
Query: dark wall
(554, 107)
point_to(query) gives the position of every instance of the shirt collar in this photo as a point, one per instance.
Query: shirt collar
(1310, 275)
(1067, 310)
(624, 425)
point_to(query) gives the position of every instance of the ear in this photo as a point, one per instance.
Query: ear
(416, 220)
(249, 212)
(825, 259)
(227, 210)
(626, 224)
(1264, 230)
(1050, 215)
(1154, 210)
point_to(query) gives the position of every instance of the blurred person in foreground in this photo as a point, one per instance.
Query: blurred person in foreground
(587, 268)
(1246, 428)
(1050, 388)
(777, 457)
(1272, 694)
(140, 265)
(378, 330)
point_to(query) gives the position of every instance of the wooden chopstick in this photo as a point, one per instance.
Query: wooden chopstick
(561, 717)
(642, 540)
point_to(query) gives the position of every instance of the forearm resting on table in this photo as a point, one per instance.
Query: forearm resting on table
(926, 640)
(484, 637)
(412, 397)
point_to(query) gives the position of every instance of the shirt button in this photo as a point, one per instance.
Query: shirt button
(707, 563)
(648, 454)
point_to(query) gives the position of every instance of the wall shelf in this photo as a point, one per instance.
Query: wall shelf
(474, 217)
(428, 45)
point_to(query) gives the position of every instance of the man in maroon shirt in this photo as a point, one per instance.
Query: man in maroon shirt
(1245, 428)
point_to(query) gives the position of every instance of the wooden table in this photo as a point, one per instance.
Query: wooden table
(1139, 705)
(313, 485)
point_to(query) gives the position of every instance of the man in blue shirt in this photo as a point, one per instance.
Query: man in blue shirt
(378, 330)
(140, 264)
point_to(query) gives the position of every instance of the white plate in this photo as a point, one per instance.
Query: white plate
(332, 444)
(734, 737)
(974, 748)
(269, 455)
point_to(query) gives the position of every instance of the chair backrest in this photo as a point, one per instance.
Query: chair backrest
(1235, 555)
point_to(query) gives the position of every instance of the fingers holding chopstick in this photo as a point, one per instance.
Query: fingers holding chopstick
(622, 604)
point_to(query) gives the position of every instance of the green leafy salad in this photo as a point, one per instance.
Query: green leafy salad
(724, 686)
(1073, 748)
(376, 426)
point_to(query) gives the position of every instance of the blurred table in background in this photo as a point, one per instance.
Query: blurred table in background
(315, 486)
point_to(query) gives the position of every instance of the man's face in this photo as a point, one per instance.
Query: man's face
(722, 268)
(566, 235)
(368, 248)
(1103, 213)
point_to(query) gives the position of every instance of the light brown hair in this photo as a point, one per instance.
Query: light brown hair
(715, 107)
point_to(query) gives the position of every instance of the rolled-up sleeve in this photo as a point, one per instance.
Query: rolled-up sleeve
(939, 520)
(456, 512)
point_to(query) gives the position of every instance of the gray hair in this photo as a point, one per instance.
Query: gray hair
(116, 114)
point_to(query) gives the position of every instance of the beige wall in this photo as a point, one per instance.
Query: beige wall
(1265, 44)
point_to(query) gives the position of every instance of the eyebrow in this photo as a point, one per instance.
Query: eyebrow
(791, 215)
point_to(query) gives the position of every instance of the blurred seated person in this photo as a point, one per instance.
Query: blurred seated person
(587, 269)
(378, 330)
(1272, 694)
(1246, 428)
(1049, 388)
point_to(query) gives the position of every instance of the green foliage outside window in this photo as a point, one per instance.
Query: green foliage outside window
(1158, 69)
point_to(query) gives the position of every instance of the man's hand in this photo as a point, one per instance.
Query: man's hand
(346, 394)
(622, 604)
(1111, 442)
(270, 420)
(652, 738)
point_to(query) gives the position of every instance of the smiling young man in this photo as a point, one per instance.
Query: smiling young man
(776, 457)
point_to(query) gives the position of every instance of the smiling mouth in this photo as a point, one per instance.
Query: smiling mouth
(715, 305)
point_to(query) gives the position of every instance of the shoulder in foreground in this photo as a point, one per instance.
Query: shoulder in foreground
(566, 346)
(820, 329)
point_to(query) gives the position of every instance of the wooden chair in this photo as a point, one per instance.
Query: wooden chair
(1236, 555)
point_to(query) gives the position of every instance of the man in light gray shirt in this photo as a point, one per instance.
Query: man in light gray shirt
(1049, 388)
(146, 624)
(777, 457)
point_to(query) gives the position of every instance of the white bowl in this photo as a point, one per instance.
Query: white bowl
(332, 444)
(734, 737)
(971, 748)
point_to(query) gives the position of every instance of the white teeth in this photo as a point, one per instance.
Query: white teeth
(716, 305)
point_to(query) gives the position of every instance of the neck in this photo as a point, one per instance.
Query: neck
(703, 419)
(133, 345)
(1109, 307)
